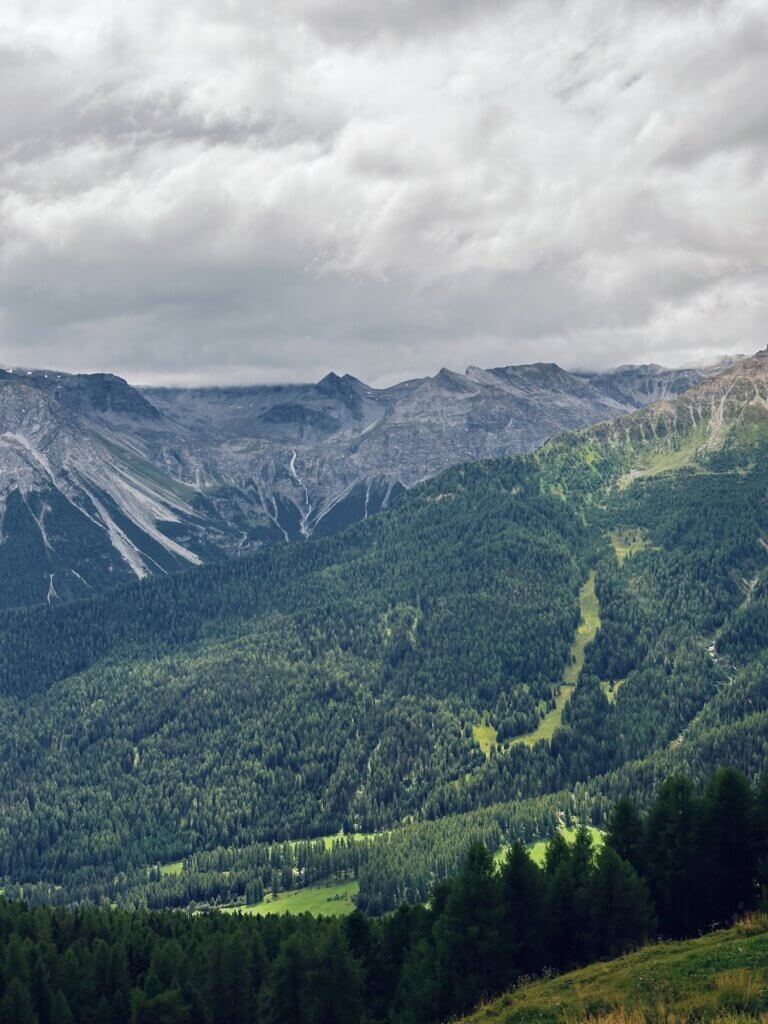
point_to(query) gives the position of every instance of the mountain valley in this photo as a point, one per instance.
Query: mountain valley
(212, 716)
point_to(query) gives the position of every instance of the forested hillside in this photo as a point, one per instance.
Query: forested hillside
(427, 663)
(332, 685)
(690, 864)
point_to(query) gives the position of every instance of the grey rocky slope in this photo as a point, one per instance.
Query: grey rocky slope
(101, 482)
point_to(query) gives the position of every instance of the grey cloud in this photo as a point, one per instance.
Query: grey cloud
(213, 192)
(354, 21)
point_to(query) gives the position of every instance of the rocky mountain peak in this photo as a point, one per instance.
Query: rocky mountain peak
(88, 393)
(743, 382)
(157, 479)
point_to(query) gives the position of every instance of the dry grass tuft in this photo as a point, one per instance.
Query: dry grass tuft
(741, 991)
(753, 924)
(664, 1015)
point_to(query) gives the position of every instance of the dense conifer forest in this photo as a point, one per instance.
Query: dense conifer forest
(691, 863)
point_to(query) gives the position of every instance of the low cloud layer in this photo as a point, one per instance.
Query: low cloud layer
(211, 192)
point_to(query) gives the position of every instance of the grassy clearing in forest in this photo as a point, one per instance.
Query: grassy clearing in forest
(328, 841)
(485, 737)
(610, 691)
(174, 868)
(537, 850)
(322, 900)
(585, 634)
(720, 977)
(627, 542)
(177, 866)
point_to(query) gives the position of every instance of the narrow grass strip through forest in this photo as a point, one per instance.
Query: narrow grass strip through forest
(585, 634)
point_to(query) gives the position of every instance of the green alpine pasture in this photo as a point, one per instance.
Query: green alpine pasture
(627, 542)
(174, 868)
(321, 900)
(722, 976)
(538, 849)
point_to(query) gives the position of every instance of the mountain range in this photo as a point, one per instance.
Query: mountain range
(101, 482)
(517, 641)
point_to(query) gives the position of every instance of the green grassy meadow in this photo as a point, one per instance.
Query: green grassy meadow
(611, 691)
(485, 737)
(328, 841)
(176, 867)
(627, 542)
(722, 976)
(538, 849)
(322, 900)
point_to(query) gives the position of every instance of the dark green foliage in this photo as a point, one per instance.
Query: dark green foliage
(467, 934)
(728, 818)
(481, 931)
(672, 858)
(701, 856)
(522, 911)
(625, 833)
(620, 908)
(313, 688)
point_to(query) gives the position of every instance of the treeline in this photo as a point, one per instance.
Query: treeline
(691, 863)
(392, 868)
(220, 877)
(489, 504)
(403, 866)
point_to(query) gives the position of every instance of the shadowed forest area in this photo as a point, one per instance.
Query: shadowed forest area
(690, 864)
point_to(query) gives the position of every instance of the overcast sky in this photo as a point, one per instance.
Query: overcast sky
(200, 191)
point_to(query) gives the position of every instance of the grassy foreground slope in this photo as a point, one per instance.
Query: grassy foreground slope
(723, 975)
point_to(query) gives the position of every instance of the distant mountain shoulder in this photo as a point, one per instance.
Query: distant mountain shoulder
(101, 482)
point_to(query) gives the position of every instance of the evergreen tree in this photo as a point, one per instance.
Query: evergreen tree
(727, 845)
(333, 990)
(417, 999)
(17, 1006)
(760, 835)
(42, 995)
(672, 857)
(282, 996)
(522, 915)
(625, 832)
(62, 1013)
(620, 906)
(467, 933)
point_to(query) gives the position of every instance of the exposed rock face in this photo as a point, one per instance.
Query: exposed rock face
(101, 482)
(642, 385)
